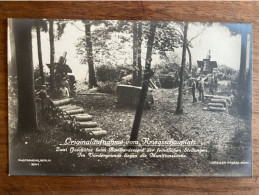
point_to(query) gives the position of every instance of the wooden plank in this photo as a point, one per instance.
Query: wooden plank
(76, 111)
(85, 117)
(89, 130)
(61, 102)
(98, 134)
(88, 124)
(222, 101)
(216, 104)
(212, 108)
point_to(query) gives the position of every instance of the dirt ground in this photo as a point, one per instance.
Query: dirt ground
(225, 135)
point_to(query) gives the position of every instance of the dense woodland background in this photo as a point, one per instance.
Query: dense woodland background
(156, 11)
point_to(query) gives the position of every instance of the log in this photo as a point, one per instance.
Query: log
(217, 97)
(219, 101)
(70, 108)
(88, 124)
(220, 97)
(211, 108)
(98, 134)
(216, 104)
(85, 117)
(89, 130)
(76, 111)
(65, 106)
(61, 102)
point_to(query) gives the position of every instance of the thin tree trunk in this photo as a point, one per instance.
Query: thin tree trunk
(190, 58)
(27, 120)
(135, 53)
(89, 49)
(179, 108)
(52, 57)
(147, 75)
(242, 69)
(139, 53)
(12, 70)
(40, 54)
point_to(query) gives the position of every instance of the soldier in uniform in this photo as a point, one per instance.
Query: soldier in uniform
(201, 89)
(193, 85)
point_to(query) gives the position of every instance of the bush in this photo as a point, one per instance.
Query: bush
(106, 73)
(107, 87)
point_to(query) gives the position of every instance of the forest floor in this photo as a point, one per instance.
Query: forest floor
(224, 135)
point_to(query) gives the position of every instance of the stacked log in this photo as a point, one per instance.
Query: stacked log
(218, 103)
(74, 117)
(61, 102)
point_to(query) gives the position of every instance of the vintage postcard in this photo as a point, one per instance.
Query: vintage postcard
(129, 98)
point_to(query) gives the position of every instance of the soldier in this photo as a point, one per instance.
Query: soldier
(201, 89)
(193, 85)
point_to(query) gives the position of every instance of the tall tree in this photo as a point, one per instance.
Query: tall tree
(139, 75)
(190, 57)
(27, 120)
(242, 69)
(89, 49)
(179, 108)
(147, 75)
(40, 25)
(135, 52)
(52, 57)
(12, 69)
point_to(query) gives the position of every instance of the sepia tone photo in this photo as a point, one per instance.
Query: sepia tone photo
(129, 98)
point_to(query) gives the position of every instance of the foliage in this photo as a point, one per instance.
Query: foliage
(110, 73)
(37, 72)
(61, 24)
(42, 23)
(107, 87)
(166, 38)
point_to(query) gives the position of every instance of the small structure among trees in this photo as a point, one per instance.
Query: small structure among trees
(62, 79)
(207, 65)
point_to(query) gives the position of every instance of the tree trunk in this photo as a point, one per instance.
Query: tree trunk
(190, 58)
(135, 53)
(27, 120)
(12, 68)
(89, 49)
(179, 109)
(52, 57)
(147, 75)
(139, 54)
(40, 54)
(242, 69)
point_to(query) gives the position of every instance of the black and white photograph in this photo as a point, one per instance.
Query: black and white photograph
(129, 98)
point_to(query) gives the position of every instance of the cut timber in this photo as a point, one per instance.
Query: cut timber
(70, 108)
(220, 97)
(217, 97)
(65, 106)
(85, 117)
(76, 111)
(97, 134)
(89, 130)
(211, 108)
(219, 101)
(216, 104)
(88, 124)
(61, 102)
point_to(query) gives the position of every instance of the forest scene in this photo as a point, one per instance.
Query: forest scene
(141, 84)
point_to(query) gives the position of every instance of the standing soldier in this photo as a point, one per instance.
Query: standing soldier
(193, 85)
(201, 89)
